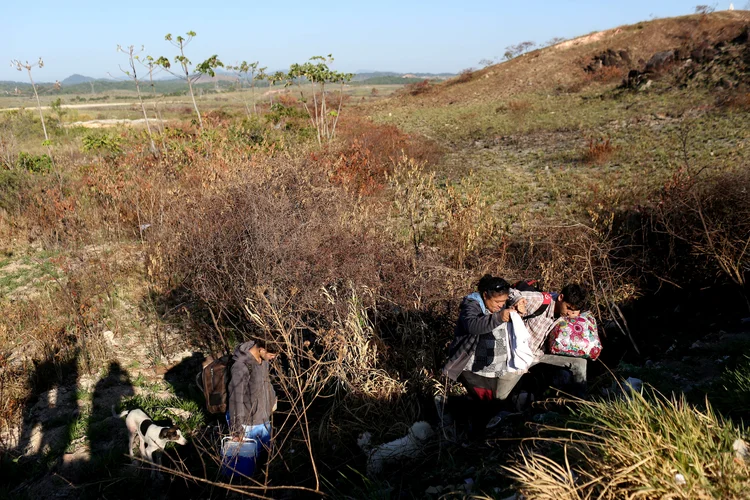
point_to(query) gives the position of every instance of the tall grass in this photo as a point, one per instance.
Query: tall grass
(638, 446)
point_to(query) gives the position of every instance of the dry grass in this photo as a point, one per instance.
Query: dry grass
(598, 151)
(638, 446)
(559, 66)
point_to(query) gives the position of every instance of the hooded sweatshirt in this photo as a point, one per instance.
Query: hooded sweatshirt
(251, 395)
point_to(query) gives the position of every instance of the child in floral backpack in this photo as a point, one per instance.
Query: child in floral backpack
(575, 335)
(541, 311)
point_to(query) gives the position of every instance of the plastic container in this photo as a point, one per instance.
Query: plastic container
(238, 457)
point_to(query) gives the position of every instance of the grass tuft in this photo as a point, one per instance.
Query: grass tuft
(644, 445)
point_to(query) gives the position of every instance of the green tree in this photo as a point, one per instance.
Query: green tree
(59, 111)
(317, 73)
(206, 67)
(272, 80)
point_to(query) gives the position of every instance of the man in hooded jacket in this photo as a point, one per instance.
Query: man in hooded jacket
(252, 398)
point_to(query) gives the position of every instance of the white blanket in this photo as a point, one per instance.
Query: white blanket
(520, 355)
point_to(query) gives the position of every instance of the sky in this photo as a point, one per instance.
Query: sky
(433, 36)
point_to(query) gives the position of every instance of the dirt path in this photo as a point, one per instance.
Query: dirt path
(91, 105)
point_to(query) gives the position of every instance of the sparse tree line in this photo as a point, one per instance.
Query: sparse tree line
(323, 112)
(513, 51)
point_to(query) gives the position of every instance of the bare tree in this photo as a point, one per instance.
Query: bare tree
(554, 41)
(28, 66)
(133, 75)
(150, 64)
(512, 51)
(705, 9)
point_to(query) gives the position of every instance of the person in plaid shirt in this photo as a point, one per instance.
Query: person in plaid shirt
(540, 311)
(539, 315)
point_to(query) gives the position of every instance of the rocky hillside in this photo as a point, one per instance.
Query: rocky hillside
(591, 59)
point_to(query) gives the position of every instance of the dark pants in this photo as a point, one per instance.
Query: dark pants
(576, 366)
(485, 395)
(480, 404)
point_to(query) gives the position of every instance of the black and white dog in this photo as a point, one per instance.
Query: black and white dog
(153, 438)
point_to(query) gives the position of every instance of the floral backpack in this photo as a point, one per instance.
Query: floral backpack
(576, 337)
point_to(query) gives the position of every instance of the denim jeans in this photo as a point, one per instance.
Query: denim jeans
(261, 433)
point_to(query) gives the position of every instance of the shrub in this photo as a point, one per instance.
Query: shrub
(605, 74)
(710, 215)
(12, 185)
(368, 153)
(39, 164)
(598, 151)
(464, 76)
(418, 88)
(105, 144)
(642, 445)
(284, 232)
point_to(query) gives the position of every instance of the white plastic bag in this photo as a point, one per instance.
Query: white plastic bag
(520, 355)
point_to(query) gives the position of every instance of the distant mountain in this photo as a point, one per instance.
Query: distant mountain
(76, 79)
(369, 75)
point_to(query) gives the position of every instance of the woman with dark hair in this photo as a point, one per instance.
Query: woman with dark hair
(478, 356)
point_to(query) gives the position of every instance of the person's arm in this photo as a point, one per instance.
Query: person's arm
(474, 322)
(239, 391)
(526, 303)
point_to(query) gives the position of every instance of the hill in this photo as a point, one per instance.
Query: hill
(565, 66)
(364, 75)
(76, 79)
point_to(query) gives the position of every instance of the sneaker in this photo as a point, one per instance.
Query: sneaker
(497, 419)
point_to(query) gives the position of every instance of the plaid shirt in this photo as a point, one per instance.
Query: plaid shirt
(538, 326)
(490, 357)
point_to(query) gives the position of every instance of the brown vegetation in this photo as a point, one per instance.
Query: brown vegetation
(598, 151)
(560, 66)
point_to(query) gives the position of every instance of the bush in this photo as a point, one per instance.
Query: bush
(465, 76)
(103, 143)
(642, 445)
(284, 232)
(38, 164)
(368, 152)
(598, 151)
(711, 216)
(12, 185)
(418, 88)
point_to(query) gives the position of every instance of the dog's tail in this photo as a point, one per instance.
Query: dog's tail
(122, 413)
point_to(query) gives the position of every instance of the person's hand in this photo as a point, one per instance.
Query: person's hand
(505, 314)
(521, 307)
